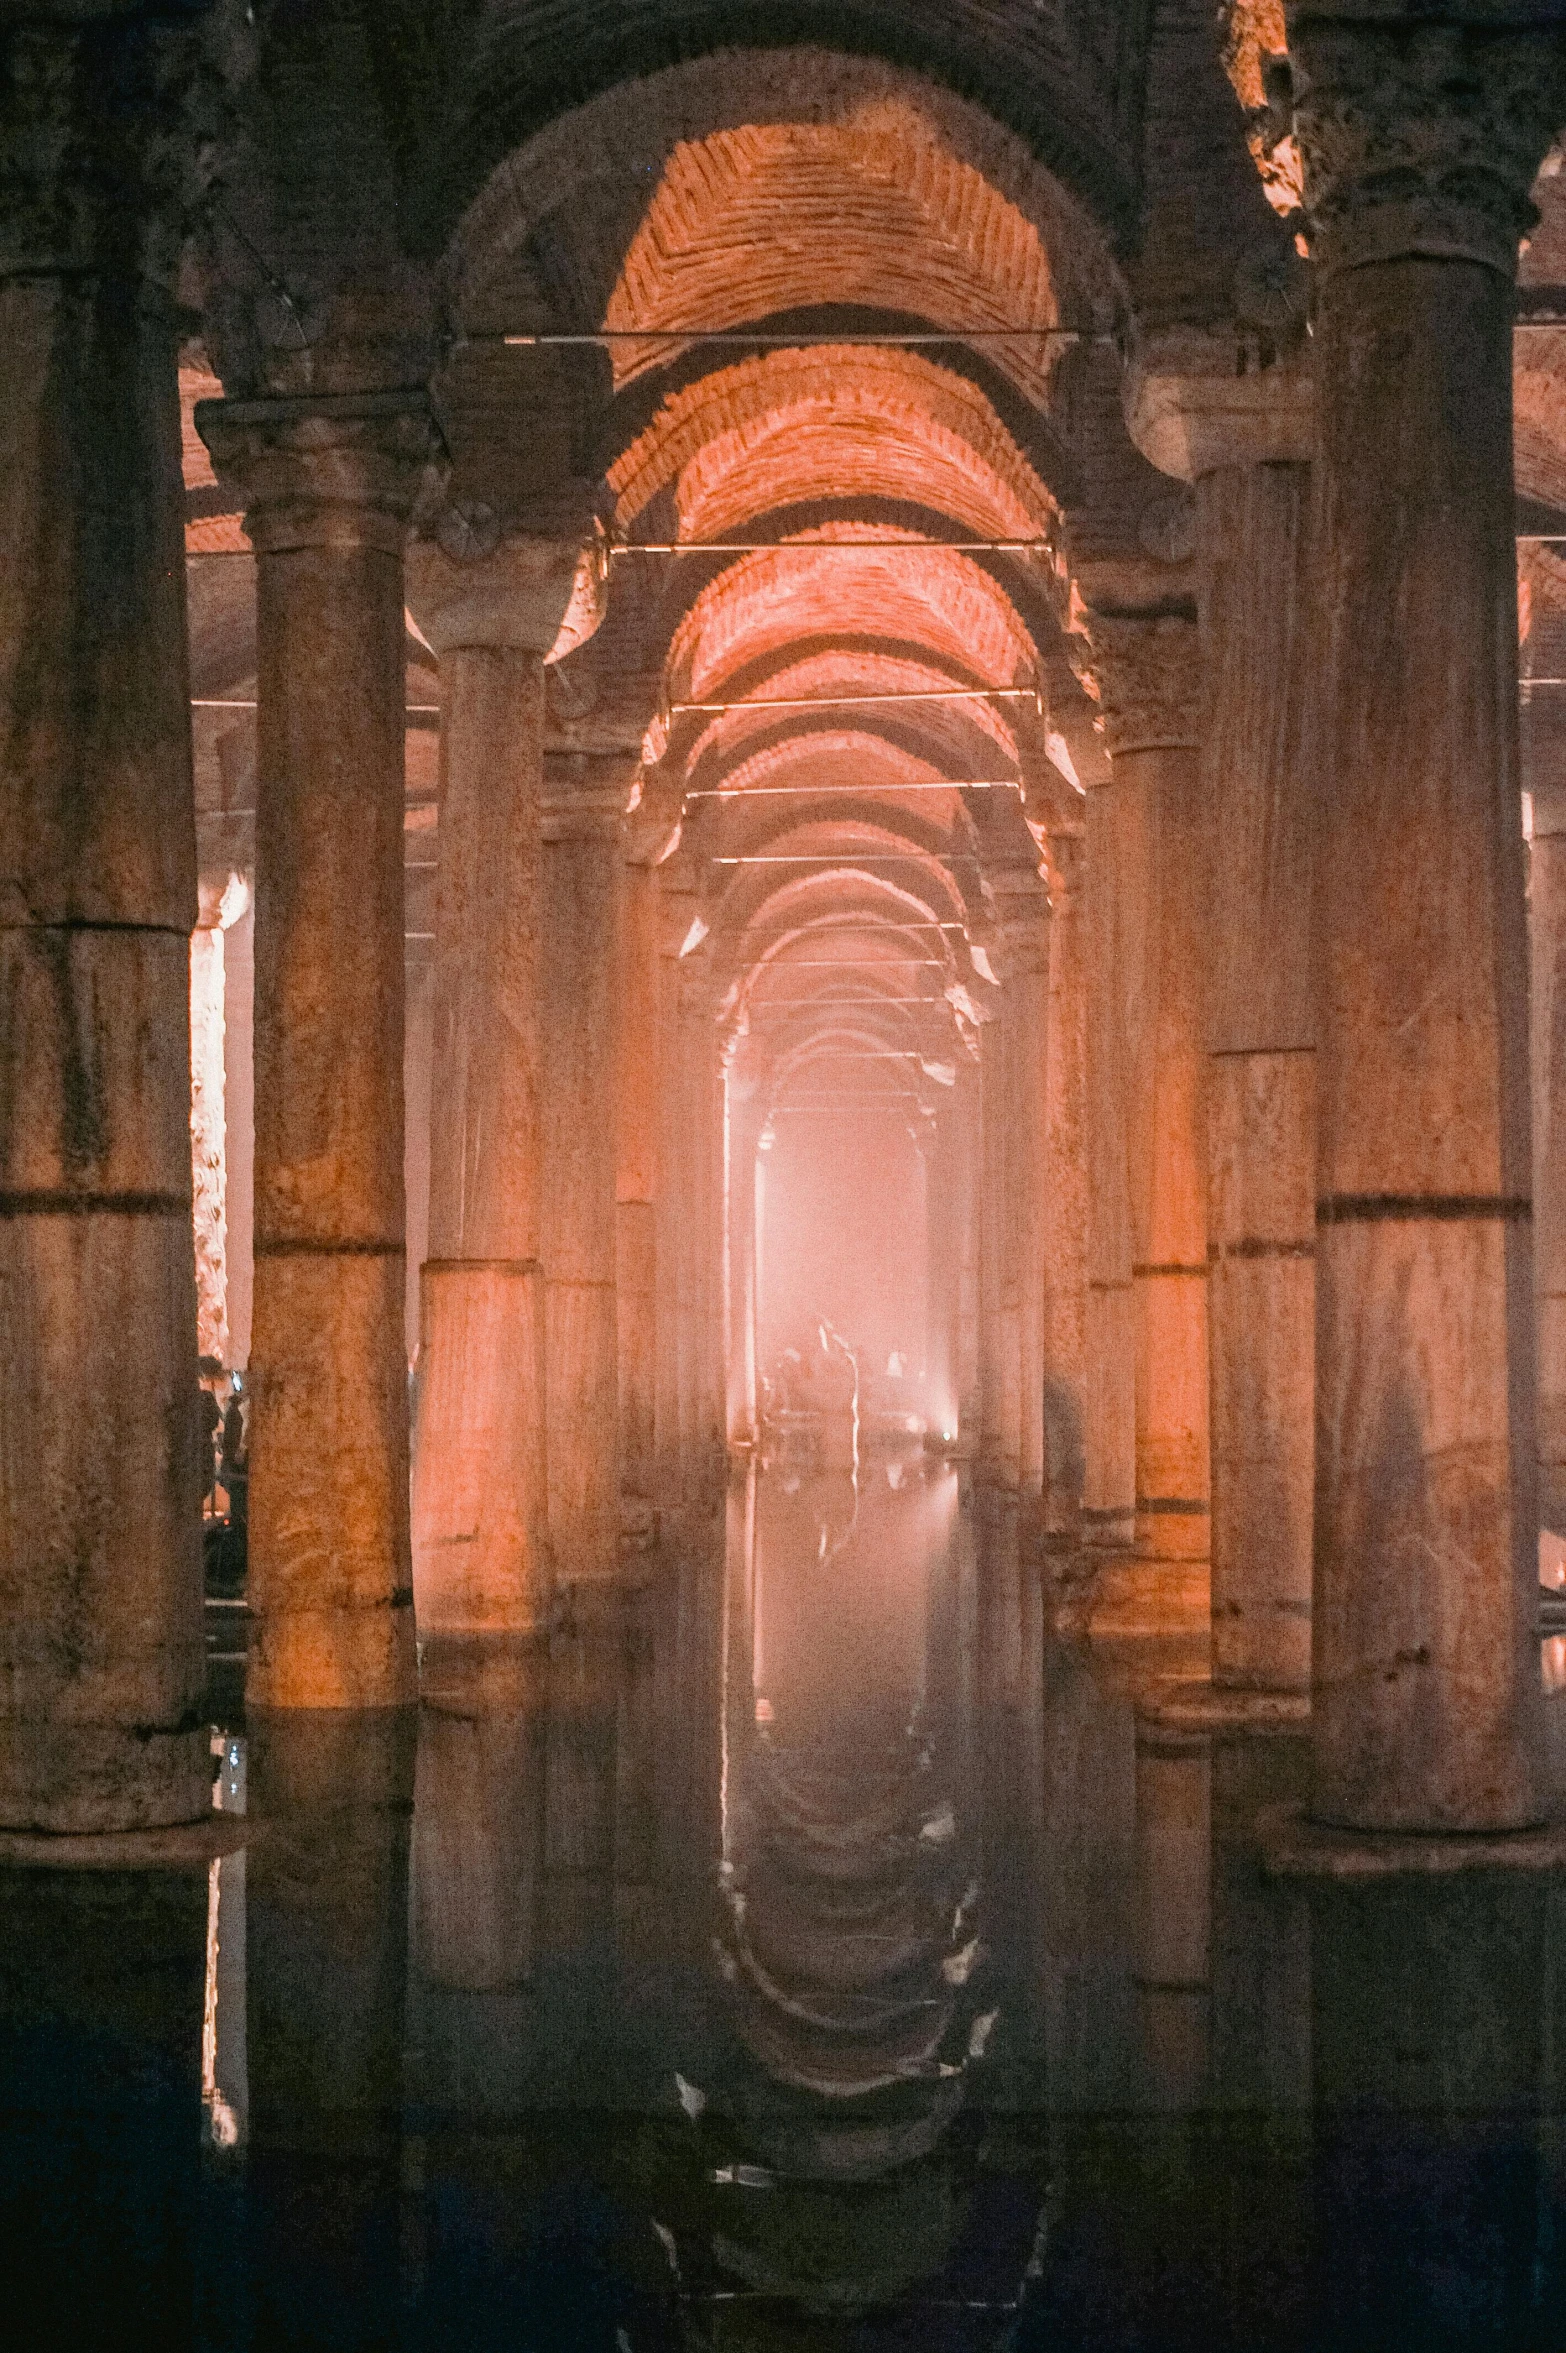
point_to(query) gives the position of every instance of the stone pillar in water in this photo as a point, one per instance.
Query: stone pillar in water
(1419, 144)
(585, 801)
(480, 1534)
(101, 1665)
(328, 486)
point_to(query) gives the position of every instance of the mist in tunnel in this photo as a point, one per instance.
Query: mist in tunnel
(842, 1237)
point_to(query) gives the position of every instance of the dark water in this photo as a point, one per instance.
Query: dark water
(808, 1954)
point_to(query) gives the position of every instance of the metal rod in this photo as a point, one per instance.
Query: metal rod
(772, 792)
(828, 702)
(747, 339)
(857, 858)
(202, 702)
(814, 547)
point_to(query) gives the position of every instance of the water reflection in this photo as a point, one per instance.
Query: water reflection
(796, 1951)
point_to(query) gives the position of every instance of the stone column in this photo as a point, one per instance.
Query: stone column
(328, 486)
(1241, 438)
(480, 1534)
(101, 1664)
(742, 1127)
(1114, 1010)
(997, 1461)
(1026, 916)
(1066, 1214)
(1147, 673)
(1419, 145)
(1544, 777)
(638, 1186)
(585, 801)
(676, 912)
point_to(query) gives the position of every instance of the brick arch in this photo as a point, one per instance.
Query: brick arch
(934, 599)
(844, 422)
(723, 190)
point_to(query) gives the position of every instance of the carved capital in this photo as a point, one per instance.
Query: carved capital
(1145, 673)
(652, 830)
(105, 140)
(1190, 410)
(338, 471)
(1421, 138)
(539, 596)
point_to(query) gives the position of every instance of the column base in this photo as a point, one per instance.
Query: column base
(61, 1779)
(1293, 1846)
(182, 1846)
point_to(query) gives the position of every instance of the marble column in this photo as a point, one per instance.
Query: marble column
(1114, 995)
(1426, 1679)
(1147, 673)
(1064, 1242)
(676, 914)
(649, 835)
(997, 1460)
(741, 1131)
(480, 1511)
(1242, 439)
(1026, 916)
(328, 486)
(1544, 772)
(585, 801)
(101, 1665)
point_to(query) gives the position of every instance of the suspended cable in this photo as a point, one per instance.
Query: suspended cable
(772, 792)
(748, 339)
(815, 547)
(830, 702)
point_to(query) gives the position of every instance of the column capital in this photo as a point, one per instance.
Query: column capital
(332, 470)
(1190, 411)
(1145, 673)
(653, 827)
(1422, 137)
(471, 584)
(101, 142)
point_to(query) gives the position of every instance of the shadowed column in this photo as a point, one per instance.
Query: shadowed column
(1426, 1679)
(100, 1575)
(1148, 677)
(1544, 774)
(584, 858)
(1240, 438)
(650, 833)
(1064, 1244)
(480, 1535)
(328, 488)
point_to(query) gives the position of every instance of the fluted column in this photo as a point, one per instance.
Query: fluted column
(585, 802)
(1147, 673)
(480, 1533)
(1419, 144)
(1065, 1206)
(101, 1664)
(1241, 440)
(328, 486)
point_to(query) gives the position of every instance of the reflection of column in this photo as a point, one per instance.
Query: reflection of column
(100, 1574)
(1064, 1242)
(477, 1821)
(584, 866)
(328, 493)
(1146, 671)
(1174, 1905)
(1427, 2016)
(479, 1511)
(101, 2174)
(326, 1889)
(1427, 1708)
